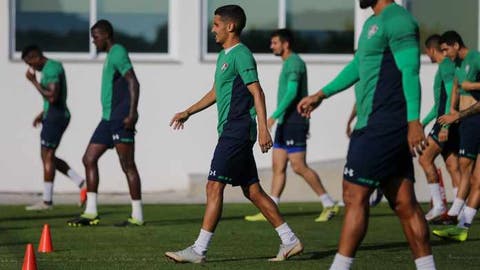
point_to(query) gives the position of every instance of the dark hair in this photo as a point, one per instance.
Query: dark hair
(104, 26)
(285, 35)
(31, 48)
(451, 37)
(233, 13)
(433, 41)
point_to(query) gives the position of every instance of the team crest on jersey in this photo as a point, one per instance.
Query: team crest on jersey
(224, 67)
(467, 68)
(372, 31)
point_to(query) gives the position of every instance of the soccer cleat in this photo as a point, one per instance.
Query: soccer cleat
(256, 217)
(83, 196)
(376, 197)
(435, 213)
(130, 222)
(445, 220)
(187, 255)
(287, 251)
(328, 213)
(84, 220)
(40, 206)
(453, 233)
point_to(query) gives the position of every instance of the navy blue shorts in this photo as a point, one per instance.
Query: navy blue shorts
(52, 131)
(470, 137)
(376, 156)
(233, 162)
(291, 137)
(111, 132)
(453, 142)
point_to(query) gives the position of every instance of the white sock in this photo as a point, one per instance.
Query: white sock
(341, 262)
(203, 240)
(326, 200)
(91, 208)
(454, 191)
(456, 207)
(276, 200)
(425, 263)
(467, 217)
(286, 234)
(47, 191)
(137, 211)
(77, 179)
(436, 195)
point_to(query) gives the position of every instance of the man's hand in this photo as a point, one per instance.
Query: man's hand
(179, 119)
(443, 135)
(468, 86)
(308, 104)
(130, 121)
(416, 139)
(270, 123)
(450, 118)
(31, 75)
(264, 140)
(349, 130)
(38, 120)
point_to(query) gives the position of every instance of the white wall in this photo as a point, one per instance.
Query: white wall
(164, 157)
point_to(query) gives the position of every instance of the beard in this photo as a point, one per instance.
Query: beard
(367, 3)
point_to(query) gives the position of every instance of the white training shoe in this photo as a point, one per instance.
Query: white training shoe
(187, 255)
(40, 206)
(435, 213)
(287, 251)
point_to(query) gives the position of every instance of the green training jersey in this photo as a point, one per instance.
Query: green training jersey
(293, 70)
(236, 68)
(115, 95)
(469, 70)
(53, 72)
(386, 67)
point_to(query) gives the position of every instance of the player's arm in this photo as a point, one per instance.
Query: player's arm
(287, 99)
(206, 101)
(264, 138)
(38, 119)
(346, 78)
(456, 116)
(455, 97)
(471, 86)
(51, 93)
(134, 91)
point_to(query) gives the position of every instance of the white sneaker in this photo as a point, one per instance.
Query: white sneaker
(187, 255)
(40, 206)
(435, 213)
(287, 251)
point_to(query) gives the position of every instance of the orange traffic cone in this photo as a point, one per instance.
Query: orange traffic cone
(45, 245)
(29, 262)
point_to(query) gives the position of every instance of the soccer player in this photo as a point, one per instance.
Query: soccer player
(468, 76)
(119, 96)
(463, 96)
(437, 145)
(386, 67)
(239, 97)
(54, 119)
(292, 129)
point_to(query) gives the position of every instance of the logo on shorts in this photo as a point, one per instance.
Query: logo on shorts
(224, 67)
(372, 31)
(289, 142)
(348, 172)
(213, 173)
(116, 137)
(462, 152)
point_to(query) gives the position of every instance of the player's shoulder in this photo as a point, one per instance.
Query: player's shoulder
(397, 16)
(118, 49)
(53, 66)
(295, 61)
(447, 64)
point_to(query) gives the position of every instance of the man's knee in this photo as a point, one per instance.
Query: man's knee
(353, 198)
(465, 164)
(214, 188)
(452, 166)
(425, 161)
(299, 167)
(127, 164)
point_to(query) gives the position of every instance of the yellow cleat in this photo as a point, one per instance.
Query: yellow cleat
(453, 233)
(328, 213)
(256, 217)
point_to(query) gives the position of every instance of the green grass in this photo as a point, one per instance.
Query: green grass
(237, 244)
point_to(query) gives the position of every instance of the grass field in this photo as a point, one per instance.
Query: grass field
(237, 244)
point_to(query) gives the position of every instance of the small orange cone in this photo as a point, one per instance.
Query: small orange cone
(45, 245)
(29, 262)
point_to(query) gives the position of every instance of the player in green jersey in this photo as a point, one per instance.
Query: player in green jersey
(388, 131)
(54, 119)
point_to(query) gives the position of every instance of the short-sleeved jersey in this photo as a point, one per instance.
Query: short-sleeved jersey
(445, 73)
(469, 70)
(236, 111)
(115, 96)
(53, 72)
(293, 69)
(379, 94)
